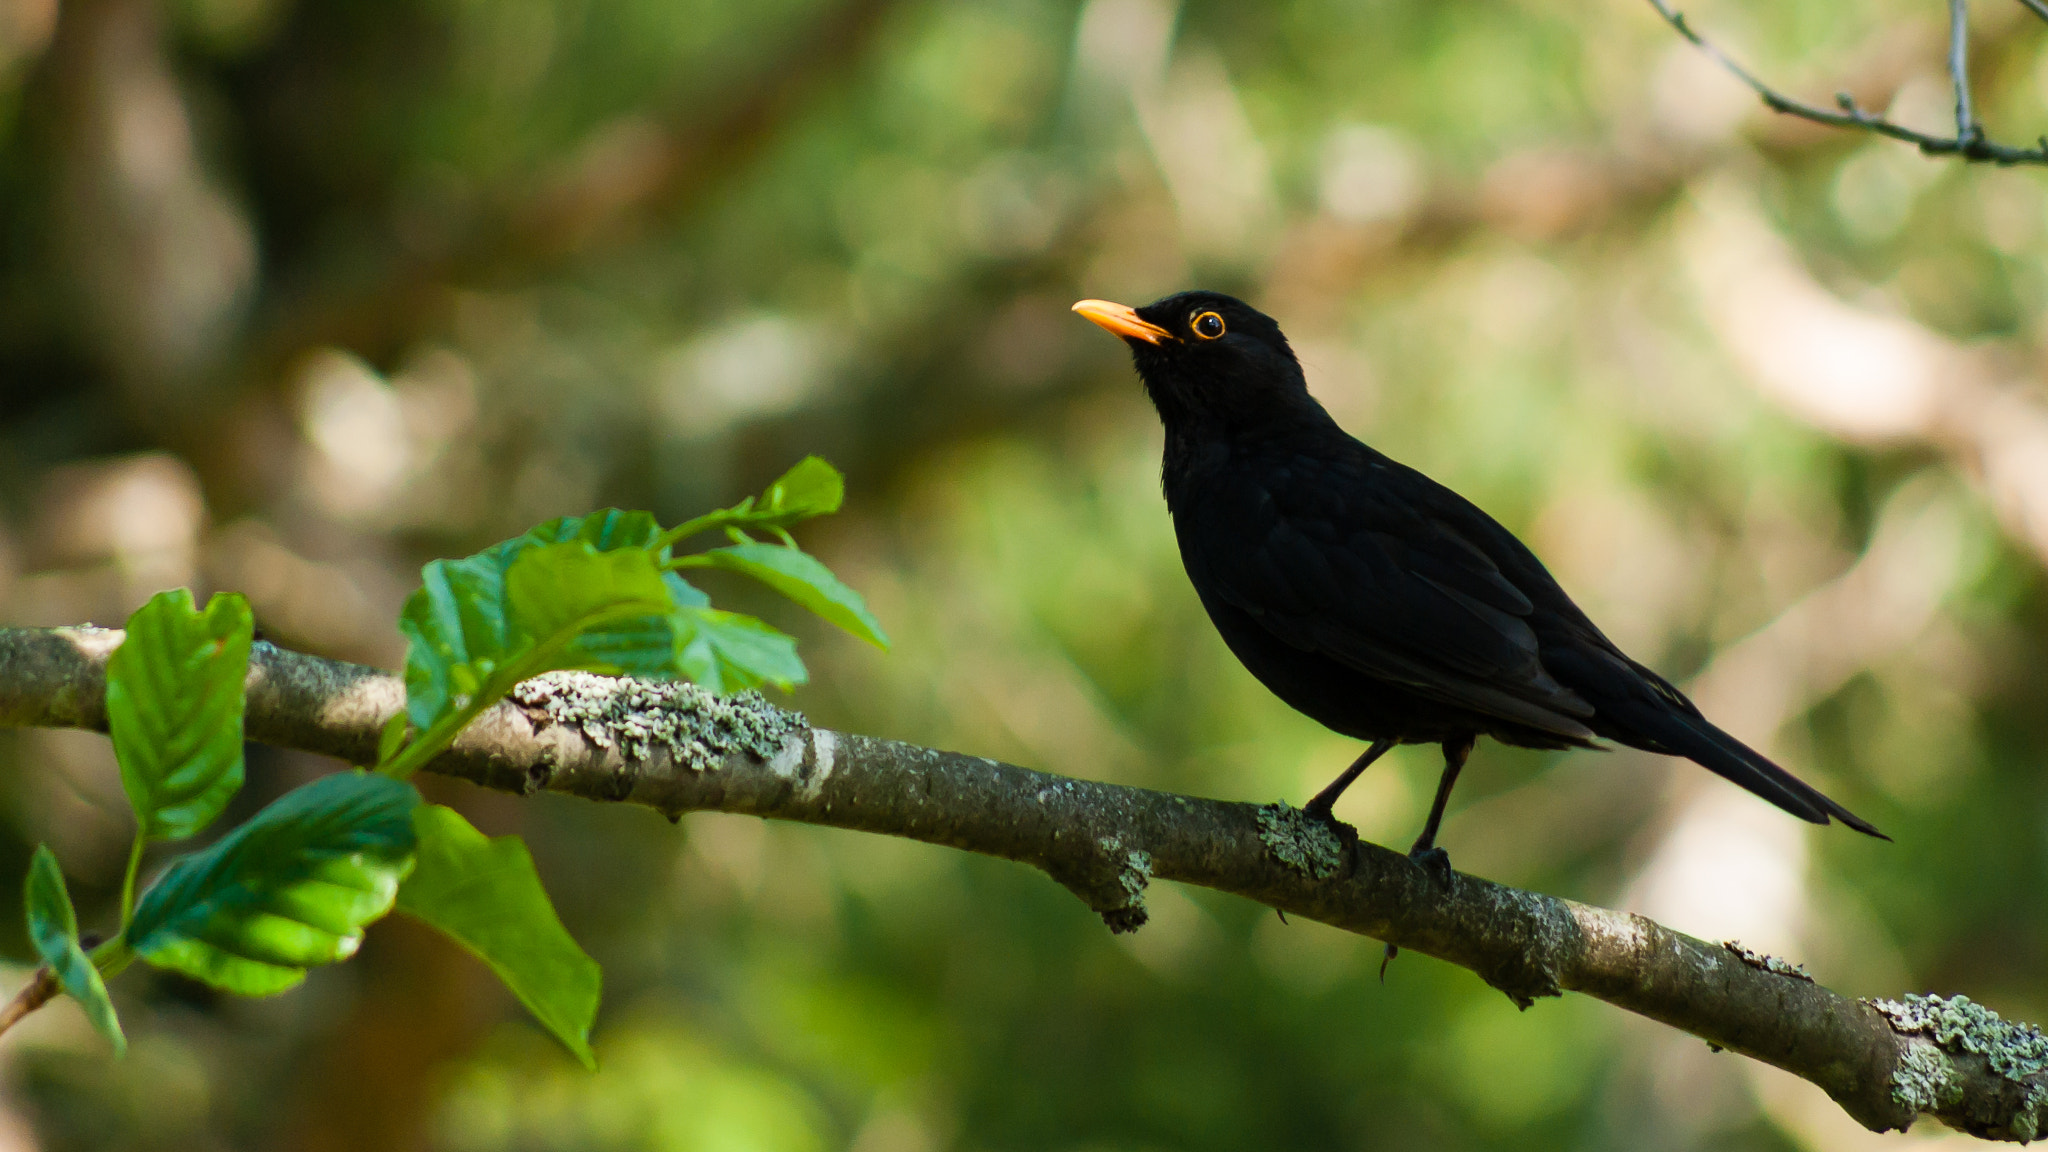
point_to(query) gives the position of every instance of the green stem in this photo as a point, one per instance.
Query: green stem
(704, 523)
(437, 738)
(128, 879)
(113, 956)
(535, 661)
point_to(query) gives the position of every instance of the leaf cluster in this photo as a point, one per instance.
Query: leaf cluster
(297, 884)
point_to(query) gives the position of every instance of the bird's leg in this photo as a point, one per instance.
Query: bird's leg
(1433, 859)
(1425, 852)
(1327, 798)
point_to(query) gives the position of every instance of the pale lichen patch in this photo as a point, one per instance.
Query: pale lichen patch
(825, 750)
(93, 640)
(788, 761)
(1767, 962)
(1299, 841)
(696, 728)
(2016, 1051)
(1925, 1079)
(1133, 876)
(1133, 869)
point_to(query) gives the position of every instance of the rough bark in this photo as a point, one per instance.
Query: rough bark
(677, 749)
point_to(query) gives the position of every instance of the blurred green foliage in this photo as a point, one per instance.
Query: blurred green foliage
(294, 297)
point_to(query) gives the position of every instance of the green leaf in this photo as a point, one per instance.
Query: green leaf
(811, 488)
(592, 592)
(456, 632)
(637, 648)
(802, 578)
(467, 624)
(485, 894)
(393, 737)
(293, 887)
(607, 530)
(726, 651)
(624, 620)
(684, 593)
(174, 709)
(557, 592)
(53, 927)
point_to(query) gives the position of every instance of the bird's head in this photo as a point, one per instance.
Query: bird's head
(1206, 355)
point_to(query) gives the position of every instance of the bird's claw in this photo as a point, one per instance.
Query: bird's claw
(1436, 862)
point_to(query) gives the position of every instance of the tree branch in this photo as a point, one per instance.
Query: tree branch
(1969, 141)
(676, 748)
(42, 987)
(1967, 127)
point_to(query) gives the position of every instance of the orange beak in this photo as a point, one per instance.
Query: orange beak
(1122, 320)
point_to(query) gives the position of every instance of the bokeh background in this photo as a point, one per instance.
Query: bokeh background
(295, 296)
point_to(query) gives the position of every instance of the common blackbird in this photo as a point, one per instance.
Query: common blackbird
(1374, 599)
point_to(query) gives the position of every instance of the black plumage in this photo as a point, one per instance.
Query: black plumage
(1374, 599)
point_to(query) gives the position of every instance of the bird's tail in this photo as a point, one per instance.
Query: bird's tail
(1695, 737)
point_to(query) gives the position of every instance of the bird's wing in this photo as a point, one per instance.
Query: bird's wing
(1332, 559)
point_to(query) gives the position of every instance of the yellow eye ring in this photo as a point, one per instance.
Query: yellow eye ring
(1208, 326)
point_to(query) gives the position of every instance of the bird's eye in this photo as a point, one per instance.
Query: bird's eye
(1208, 325)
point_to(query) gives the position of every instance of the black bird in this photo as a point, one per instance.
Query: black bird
(1374, 599)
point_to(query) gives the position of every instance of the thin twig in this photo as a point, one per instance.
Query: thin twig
(1967, 128)
(1969, 143)
(40, 990)
(2037, 8)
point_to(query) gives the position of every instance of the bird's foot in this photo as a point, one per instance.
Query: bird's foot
(1317, 811)
(1436, 862)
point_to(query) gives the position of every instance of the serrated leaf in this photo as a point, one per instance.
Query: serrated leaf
(485, 894)
(53, 928)
(800, 576)
(811, 488)
(684, 593)
(293, 887)
(607, 530)
(727, 651)
(631, 649)
(174, 709)
(596, 611)
(464, 628)
(456, 632)
(559, 590)
(642, 646)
